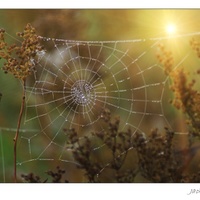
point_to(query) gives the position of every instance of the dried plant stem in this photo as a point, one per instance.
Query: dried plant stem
(17, 132)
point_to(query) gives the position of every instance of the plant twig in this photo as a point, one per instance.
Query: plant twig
(17, 131)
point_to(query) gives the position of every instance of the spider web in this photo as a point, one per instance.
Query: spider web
(75, 81)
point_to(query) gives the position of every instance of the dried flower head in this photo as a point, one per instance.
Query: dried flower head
(195, 46)
(20, 59)
(183, 91)
(165, 57)
(186, 98)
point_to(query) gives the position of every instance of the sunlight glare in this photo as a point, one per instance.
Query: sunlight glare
(171, 29)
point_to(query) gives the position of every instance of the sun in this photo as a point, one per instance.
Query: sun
(171, 29)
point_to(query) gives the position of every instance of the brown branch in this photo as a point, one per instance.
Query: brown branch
(17, 132)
